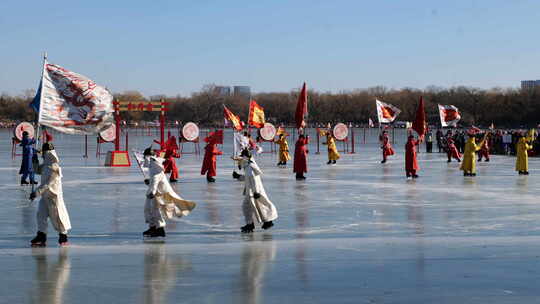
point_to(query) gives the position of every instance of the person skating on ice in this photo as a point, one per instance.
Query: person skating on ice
(386, 146)
(300, 156)
(51, 205)
(256, 204)
(451, 149)
(162, 202)
(333, 154)
(283, 150)
(209, 166)
(468, 166)
(523, 145)
(28, 152)
(411, 164)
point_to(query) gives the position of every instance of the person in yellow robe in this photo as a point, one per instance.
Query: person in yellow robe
(469, 156)
(522, 160)
(333, 154)
(283, 150)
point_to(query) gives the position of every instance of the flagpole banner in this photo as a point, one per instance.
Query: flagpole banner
(234, 119)
(256, 115)
(386, 113)
(73, 104)
(449, 115)
(301, 108)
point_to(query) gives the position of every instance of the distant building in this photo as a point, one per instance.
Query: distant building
(530, 84)
(242, 91)
(223, 91)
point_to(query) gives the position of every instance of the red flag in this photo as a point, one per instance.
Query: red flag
(256, 115)
(419, 123)
(301, 108)
(235, 120)
(215, 137)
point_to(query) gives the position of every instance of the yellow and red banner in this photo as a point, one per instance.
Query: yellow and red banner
(235, 120)
(256, 115)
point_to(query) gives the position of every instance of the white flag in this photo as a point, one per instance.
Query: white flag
(71, 103)
(386, 112)
(449, 115)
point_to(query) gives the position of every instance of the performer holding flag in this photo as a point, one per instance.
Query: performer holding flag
(70, 103)
(386, 113)
(419, 125)
(301, 148)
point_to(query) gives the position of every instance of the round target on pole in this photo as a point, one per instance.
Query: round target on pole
(24, 127)
(109, 134)
(268, 132)
(340, 131)
(190, 131)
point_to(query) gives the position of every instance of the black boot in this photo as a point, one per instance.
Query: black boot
(39, 240)
(236, 175)
(300, 177)
(415, 176)
(267, 225)
(158, 232)
(247, 228)
(383, 161)
(23, 182)
(210, 179)
(173, 180)
(149, 232)
(33, 182)
(334, 161)
(526, 172)
(329, 162)
(62, 239)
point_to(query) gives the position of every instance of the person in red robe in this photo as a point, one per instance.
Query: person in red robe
(171, 152)
(411, 164)
(451, 149)
(484, 151)
(300, 156)
(209, 161)
(386, 146)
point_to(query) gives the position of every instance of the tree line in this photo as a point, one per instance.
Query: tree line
(505, 108)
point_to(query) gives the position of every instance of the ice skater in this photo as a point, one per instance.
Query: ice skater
(171, 152)
(283, 150)
(451, 149)
(522, 158)
(333, 154)
(209, 162)
(256, 203)
(411, 164)
(27, 169)
(52, 204)
(161, 201)
(386, 147)
(484, 151)
(300, 156)
(468, 166)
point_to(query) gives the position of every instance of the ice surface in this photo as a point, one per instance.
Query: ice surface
(357, 232)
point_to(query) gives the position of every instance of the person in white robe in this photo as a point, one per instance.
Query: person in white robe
(162, 202)
(51, 206)
(256, 204)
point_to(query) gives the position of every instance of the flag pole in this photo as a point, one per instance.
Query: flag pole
(38, 129)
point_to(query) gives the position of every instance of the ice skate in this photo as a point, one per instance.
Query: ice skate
(248, 228)
(40, 240)
(173, 180)
(23, 182)
(329, 162)
(267, 225)
(149, 232)
(210, 179)
(62, 239)
(236, 175)
(157, 235)
(415, 176)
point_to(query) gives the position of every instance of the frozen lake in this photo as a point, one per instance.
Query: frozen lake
(357, 232)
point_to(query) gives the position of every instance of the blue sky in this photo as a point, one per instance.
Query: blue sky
(175, 47)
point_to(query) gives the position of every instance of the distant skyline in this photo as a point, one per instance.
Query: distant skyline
(176, 47)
